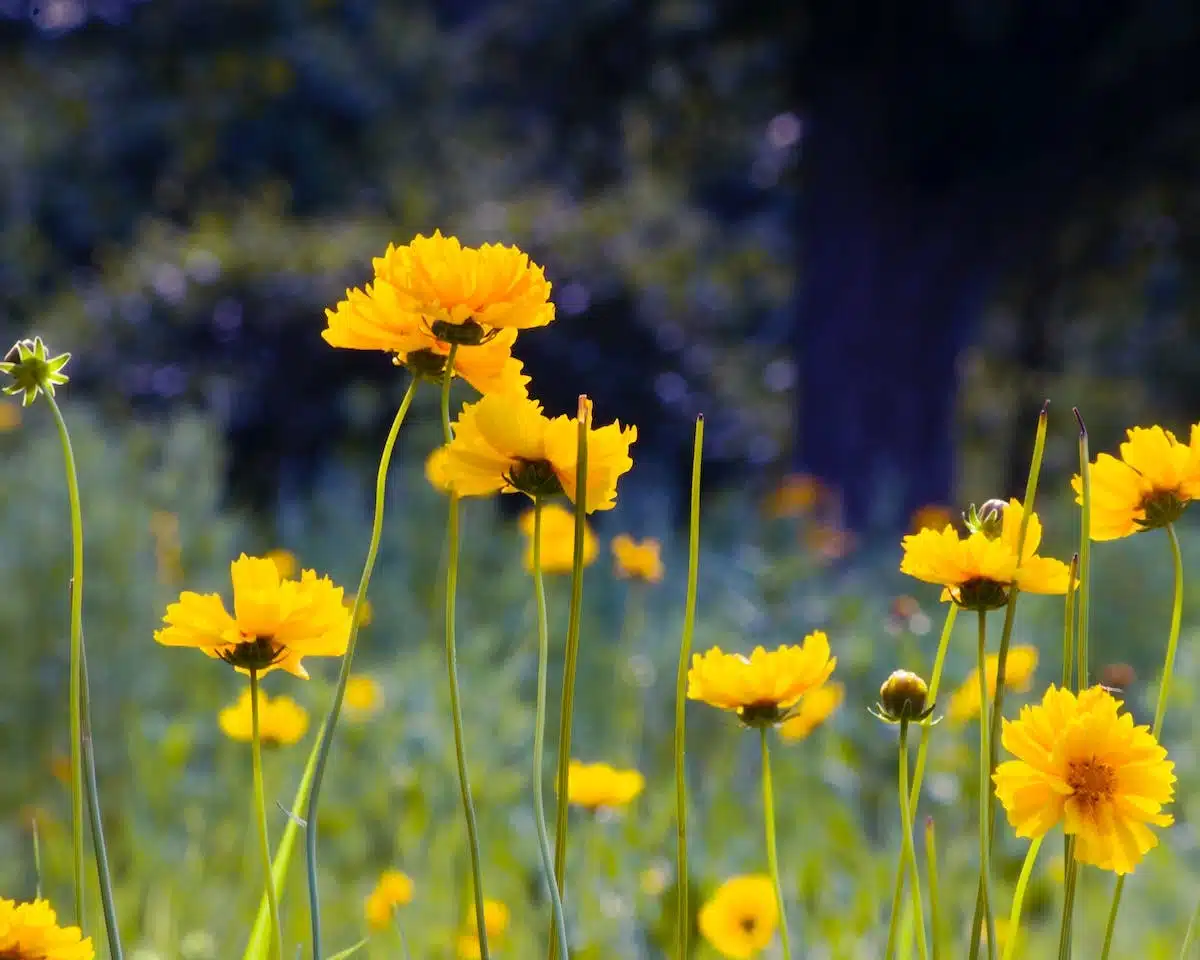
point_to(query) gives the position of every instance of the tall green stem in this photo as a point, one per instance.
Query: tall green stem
(539, 733)
(325, 742)
(683, 916)
(1085, 552)
(908, 851)
(1190, 936)
(985, 794)
(1014, 917)
(772, 851)
(935, 912)
(260, 807)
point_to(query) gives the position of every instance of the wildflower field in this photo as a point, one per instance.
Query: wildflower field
(411, 727)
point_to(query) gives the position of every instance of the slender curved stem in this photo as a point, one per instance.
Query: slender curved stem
(772, 852)
(683, 917)
(935, 912)
(1070, 876)
(539, 732)
(1014, 916)
(907, 851)
(985, 794)
(335, 708)
(260, 807)
(1190, 936)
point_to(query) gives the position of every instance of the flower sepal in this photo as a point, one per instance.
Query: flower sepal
(33, 370)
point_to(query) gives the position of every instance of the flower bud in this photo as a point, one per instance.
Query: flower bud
(988, 519)
(902, 697)
(33, 370)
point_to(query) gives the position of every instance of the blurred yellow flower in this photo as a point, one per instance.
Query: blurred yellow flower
(495, 918)
(1018, 674)
(10, 416)
(763, 687)
(276, 622)
(558, 539)
(1150, 486)
(795, 496)
(653, 880)
(468, 947)
(505, 444)
(600, 785)
(164, 527)
(740, 918)
(814, 708)
(30, 931)
(364, 696)
(1082, 762)
(638, 561)
(932, 516)
(281, 721)
(977, 571)
(366, 612)
(285, 562)
(394, 889)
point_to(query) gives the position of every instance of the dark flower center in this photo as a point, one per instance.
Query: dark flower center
(426, 364)
(256, 653)
(469, 333)
(1162, 507)
(535, 478)
(748, 924)
(1092, 781)
(766, 713)
(980, 594)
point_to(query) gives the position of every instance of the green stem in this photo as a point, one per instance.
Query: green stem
(983, 904)
(1085, 551)
(260, 807)
(935, 913)
(1070, 876)
(908, 851)
(1190, 936)
(76, 671)
(772, 851)
(683, 916)
(1068, 674)
(539, 732)
(1014, 916)
(325, 742)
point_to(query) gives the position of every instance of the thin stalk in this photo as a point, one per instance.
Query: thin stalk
(983, 905)
(1085, 549)
(1190, 936)
(772, 852)
(909, 852)
(935, 912)
(539, 733)
(683, 917)
(1070, 877)
(1014, 916)
(1069, 681)
(1068, 674)
(37, 860)
(260, 807)
(325, 742)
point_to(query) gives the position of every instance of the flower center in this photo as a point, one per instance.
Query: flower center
(1162, 507)
(534, 477)
(469, 333)
(765, 713)
(253, 653)
(748, 924)
(980, 594)
(426, 364)
(1093, 782)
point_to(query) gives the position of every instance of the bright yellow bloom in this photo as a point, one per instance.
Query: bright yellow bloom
(495, 921)
(1150, 486)
(505, 444)
(30, 931)
(638, 561)
(393, 890)
(1018, 674)
(558, 540)
(364, 696)
(978, 570)
(814, 708)
(600, 785)
(763, 687)
(1084, 763)
(281, 721)
(739, 920)
(275, 624)
(285, 561)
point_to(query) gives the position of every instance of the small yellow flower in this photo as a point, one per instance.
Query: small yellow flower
(30, 931)
(596, 785)
(469, 948)
(505, 444)
(638, 561)
(281, 721)
(1150, 486)
(10, 417)
(1082, 762)
(394, 889)
(796, 495)
(814, 708)
(1018, 674)
(739, 920)
(285, 562)
(366, 612)
(558, 540)
(976, 571)
(763, 687)
(276, 622)
(495, 922)
(932, 516)
(364, 696)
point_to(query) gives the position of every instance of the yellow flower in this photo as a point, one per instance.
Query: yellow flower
(638, 561)
(600, 785)
(739, 920)
(814, 708)
(495, 922)
(795, 496)
(977, 570)
(393, 890)
(1018, 674)
(1150, 486)
(10, 417)
(1084, 763)
(932, 516)
(276, 622)
(364, 696)
(285, 562)
(281, 721)
(366, 612)
(763, 687)
(30, 931)
(558, 540)
(505, 444)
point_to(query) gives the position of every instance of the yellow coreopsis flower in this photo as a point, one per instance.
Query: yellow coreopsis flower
(761, 688)
(595, 785)
(814, 708)
(1018, 674)
(285, 561)
(637, 561)
(30, 931)
(1082, 762)
(393, 889)
(1150, 486)
(977, 570)
(505, 444)
(281, 720)
(275, 623)
(740, 918)
(363, 698)
(558, 540)
(495, 922)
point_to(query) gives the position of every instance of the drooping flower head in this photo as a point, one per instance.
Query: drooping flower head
(1150, 486)
(558, 540)
(762, 688)
(637, 560)
(275, 624)
(814, 708)
(505, 444)
(281, 720)
(1018, 674)
(1082, 762)
(596, 785)
(393, 889)
(977, 570)
(740, 918)
(30, 931)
